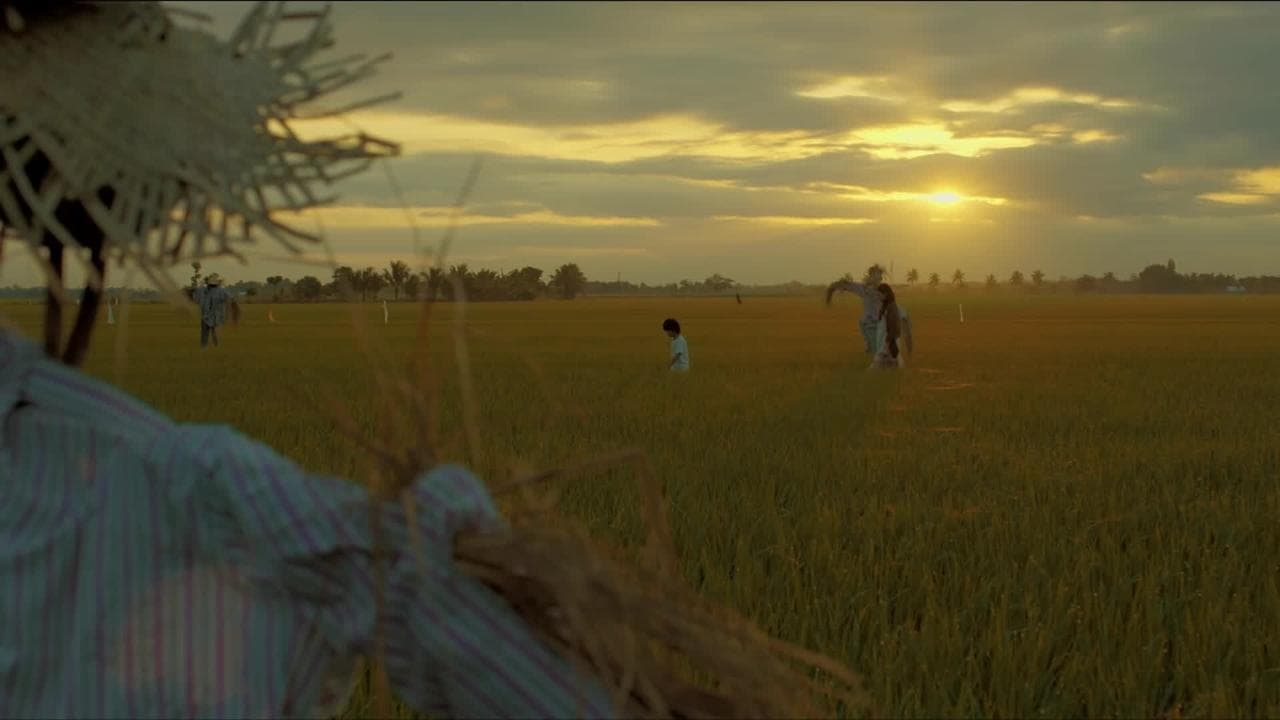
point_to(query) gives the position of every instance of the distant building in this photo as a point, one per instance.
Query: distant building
(1235, 288)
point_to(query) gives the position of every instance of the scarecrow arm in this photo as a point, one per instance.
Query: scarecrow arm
(854, 287)
(453, 647)
(213, 552)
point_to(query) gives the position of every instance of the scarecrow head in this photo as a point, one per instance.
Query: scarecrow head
(128, 140)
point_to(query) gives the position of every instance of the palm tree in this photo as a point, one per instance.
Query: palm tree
(396, 274)
(934, 281)
(957, 278)
(991, 282)
(434, 279)
(371, 281)
(1037, 278)
(913, 275)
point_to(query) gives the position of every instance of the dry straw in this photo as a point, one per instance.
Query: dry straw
(125, 138)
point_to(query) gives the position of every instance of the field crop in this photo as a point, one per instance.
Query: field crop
(1064, 506)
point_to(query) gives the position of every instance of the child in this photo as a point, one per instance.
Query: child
(679, 348)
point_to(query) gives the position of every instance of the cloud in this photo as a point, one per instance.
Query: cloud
(793, 220)
(582, 251)
(1250, 187)
(642, 126)
(355, 217)
(1235, 198)
(1024, 96)
(1262, 180)
(851, 86)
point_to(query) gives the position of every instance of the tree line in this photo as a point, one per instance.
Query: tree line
(401, 282)
(398, 281)
(1153, 279)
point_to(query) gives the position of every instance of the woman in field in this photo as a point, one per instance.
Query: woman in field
(160, 569)
(889, 355)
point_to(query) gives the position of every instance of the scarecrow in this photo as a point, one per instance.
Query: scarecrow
(159, 569)
(213, 300)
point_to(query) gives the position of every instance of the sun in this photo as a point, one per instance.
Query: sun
(946, 197)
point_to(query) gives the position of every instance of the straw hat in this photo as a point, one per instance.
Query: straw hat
(149, 143)
(213, 279)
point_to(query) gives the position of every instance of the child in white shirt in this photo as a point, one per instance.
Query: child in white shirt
(679, 348)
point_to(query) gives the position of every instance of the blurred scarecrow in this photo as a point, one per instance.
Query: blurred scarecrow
(155, 569)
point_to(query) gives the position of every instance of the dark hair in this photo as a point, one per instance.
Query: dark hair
(889, 299)
(671, 325)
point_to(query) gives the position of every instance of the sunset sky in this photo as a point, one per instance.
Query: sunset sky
(772, 142)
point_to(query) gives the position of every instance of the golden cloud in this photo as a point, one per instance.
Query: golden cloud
(793, 220)
(367, 217)
(1229, 198)
(610, 143)
(1036, 95)
(864, 194)
(917, 139)
(1250, 187)
(580, 251)
(1263, 180)
(1092, 136)
(650, 138)
(847, 86)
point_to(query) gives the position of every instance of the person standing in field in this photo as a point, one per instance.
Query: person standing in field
(904, 323)
(213, 300)
(679, 346)
(869, 322)
(891, 319)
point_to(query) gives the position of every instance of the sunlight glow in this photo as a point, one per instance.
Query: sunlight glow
(860, 193)
(945, 198)
(1256, 186)
(794, 220)
(911, 140)
(1228, 198)
(654, 137)
(367, 217)
(1263, 180)
(849, 86)
(1035, 96)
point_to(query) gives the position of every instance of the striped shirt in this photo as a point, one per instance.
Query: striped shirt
(212, 300)
(155, 569)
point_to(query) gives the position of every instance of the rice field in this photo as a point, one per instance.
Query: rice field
(1064, 506)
